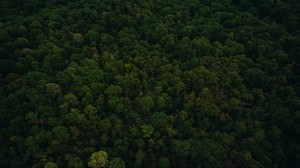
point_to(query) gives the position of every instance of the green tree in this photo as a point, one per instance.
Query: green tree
(158, 120)
(78, 39)
(50, 165)
(53, 89)
(139, 156)
(71, 99)
(61, 134)
(74, 161)
(117, 163)
(163, 162)
(98, 160)
(146, 103)
(147, 131)
(22, 42)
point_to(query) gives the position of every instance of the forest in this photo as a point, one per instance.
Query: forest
(155, 84)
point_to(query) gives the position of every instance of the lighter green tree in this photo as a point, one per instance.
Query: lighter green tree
(50, 165)
(117, 163)
(98, 160)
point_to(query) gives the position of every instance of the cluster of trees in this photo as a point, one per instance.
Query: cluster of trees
(171, 83)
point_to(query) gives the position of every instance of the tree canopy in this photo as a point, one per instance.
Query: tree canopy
(172, 83)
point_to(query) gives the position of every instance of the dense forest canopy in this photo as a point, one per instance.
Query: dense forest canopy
(157, 83)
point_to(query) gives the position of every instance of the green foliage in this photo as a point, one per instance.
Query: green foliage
(71, 99)
(53, 89)
(61, 134)
(163, 162)
(159, 120)
(117, 163)
(154, 83)
(50, 165)
(212, 153)
(146, 103)
(78, 39)
(74, 161)
(147, 131)
(98, 160)
(139, 156)
(22, 42)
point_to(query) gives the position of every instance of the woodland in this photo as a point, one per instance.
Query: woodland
(155, 84)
